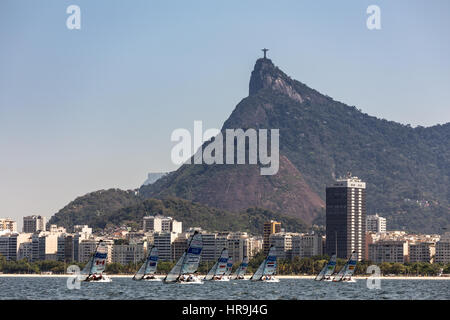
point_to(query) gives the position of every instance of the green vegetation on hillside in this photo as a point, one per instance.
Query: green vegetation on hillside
(190, 213)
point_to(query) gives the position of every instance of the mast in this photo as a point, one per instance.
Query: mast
(92, 258)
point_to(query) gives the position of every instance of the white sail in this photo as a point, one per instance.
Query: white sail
(229, 266)
(347, 271)
(259, 273)
(328, 269)
(87, 267)
(268, 266)
(193, 253)
(97, 262)
(240, 272)
(271, 262)
(219, 267)
(150, 264)
(188, 263)
(173, 274)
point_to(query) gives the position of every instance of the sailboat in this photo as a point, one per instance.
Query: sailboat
(327, 270)
(147, 271)
(217, 272)
(96, 265)
(345, 274)
(240, 272)
(267, 268)
(187, 265)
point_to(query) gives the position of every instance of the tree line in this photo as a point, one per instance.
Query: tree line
(296, 266)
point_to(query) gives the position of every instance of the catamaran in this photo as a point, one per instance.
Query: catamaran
(240, 272)
(147, 271)
(217, 272)
(186, 267)
(96, 265)
(328, 270)
(267, 268)
(345, 274)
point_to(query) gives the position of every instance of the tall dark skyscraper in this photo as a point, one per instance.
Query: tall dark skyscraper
(346, 218)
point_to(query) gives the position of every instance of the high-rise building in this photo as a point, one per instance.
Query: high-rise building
(7, 224)
(33, 224)
(346, 218)
(161, 224)
(375, 223)
(270, 227)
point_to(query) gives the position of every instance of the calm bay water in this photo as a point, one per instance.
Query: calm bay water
(124, 288)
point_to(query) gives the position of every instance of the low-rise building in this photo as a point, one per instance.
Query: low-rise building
(307, 245)
(129, 253)
(422, 252)
(388, 251)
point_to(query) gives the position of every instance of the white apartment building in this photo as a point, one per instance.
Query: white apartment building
(375, 223)
(307, 245)
(213, 244)
(129, 253)
(161, 224)
(388, 251)
(422, 252)
(282, 241)
(163, 242)
(7, 224)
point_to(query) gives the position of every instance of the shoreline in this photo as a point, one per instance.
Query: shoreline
(16, 275)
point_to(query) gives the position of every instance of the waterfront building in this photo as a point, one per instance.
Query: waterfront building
(346, 217)
(44, 246)
(179, 245)
(270, 227)
(307, 245)
(282, 241)
(388, 251)
(443, 249)
(422, 252)
(129, 253)
(86, 249)
(375, 223)
(33, 224)
(163, 242)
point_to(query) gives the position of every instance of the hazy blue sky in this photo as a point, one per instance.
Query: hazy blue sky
(82, 110)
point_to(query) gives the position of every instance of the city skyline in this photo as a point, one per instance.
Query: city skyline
(100, 104)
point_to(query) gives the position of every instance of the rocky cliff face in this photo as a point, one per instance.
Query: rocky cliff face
(321, 139)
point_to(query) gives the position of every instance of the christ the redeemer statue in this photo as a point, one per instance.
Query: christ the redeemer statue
(265, 51)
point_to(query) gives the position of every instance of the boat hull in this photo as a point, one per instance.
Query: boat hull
(104, 278)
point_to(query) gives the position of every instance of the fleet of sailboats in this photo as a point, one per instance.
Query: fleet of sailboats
(186, 267)
(344, 275)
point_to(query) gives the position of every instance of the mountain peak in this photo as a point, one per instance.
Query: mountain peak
(266, 75)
